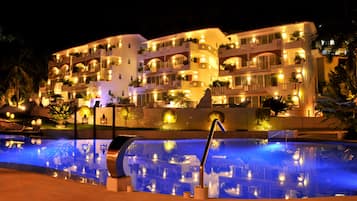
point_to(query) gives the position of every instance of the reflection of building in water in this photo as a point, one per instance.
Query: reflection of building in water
(240, 170)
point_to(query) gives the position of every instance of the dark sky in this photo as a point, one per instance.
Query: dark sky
(57, 25)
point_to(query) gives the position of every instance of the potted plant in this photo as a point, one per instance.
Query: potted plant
(60, 112)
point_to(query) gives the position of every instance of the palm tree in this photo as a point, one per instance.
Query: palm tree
(22, 67)
(276, 105)
(20, 85)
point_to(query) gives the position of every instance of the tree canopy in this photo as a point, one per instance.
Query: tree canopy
(340, 97)
(276, 105)
(22, 67)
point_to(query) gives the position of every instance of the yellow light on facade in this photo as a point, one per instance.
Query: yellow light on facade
(12, 116)
(255, 60)
(195, 77)
(242, 99)
(283, 35)
(249, 78)
(155, 95)
(295, 100)
(75, 80)
(254, 39)
(169, 117)
(98, 76)
(120, 43)
(154, 47)
(8, 114)
(174, 42)
(276, 94)
(202, 39)
(281, 76)
(203, 59)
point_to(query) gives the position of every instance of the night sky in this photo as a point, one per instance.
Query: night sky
(58, 25)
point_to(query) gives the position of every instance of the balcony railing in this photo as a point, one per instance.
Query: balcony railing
(251, 48)
(282, 88)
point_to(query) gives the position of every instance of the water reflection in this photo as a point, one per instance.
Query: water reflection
(234, 169)
(245, 168)
(82, 160)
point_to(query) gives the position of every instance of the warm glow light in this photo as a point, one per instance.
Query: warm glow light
(249, 78)
(155, 95)
(169, 145)
(249, 174)
(283, 35)
(282, 177)
(281, 76)
(155, 157)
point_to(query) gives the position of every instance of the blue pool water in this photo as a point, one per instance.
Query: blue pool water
(235, 168)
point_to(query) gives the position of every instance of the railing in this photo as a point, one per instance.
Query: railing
(205, 153)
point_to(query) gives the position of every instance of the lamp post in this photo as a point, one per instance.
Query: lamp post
(113, 123)
(75, 122)
(94, 118)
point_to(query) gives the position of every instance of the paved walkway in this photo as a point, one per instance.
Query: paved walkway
(24, 186)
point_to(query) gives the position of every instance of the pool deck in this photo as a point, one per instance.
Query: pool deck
(19, 185)
(23, 186)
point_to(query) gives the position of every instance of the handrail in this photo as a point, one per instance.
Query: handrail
(205, 153)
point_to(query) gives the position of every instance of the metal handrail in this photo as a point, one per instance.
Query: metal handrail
(208, 143)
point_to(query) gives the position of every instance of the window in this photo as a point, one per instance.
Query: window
(128, 61)
(238, 81)
(243, 41)
(274, 80)
(129, 45)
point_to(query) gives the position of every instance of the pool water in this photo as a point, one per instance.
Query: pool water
(235, 168)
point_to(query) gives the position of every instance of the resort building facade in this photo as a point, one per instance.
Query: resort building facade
(269, 62)
(97, 71)
(175, 70)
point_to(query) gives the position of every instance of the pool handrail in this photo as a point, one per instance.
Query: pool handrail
(208, 143)
(116, 153)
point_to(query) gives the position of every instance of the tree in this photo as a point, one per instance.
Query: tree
(60, 112)
(22, 67)
(179, 99)
(339, 100)
(276, 105)
(340, 97)
(20, 86)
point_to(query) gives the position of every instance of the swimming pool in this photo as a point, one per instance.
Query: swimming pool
(235, 168)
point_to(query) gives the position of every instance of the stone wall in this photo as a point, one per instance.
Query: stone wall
(198, 119)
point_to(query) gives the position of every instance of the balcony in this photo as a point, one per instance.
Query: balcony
(255, 89)
(250, 48)
(295, 44)
(185, 47)
(54, 63)
(84, 57)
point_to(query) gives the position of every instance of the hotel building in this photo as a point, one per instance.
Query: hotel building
(269, 62)
(96, 71)
(175, 70)
(181, 65)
